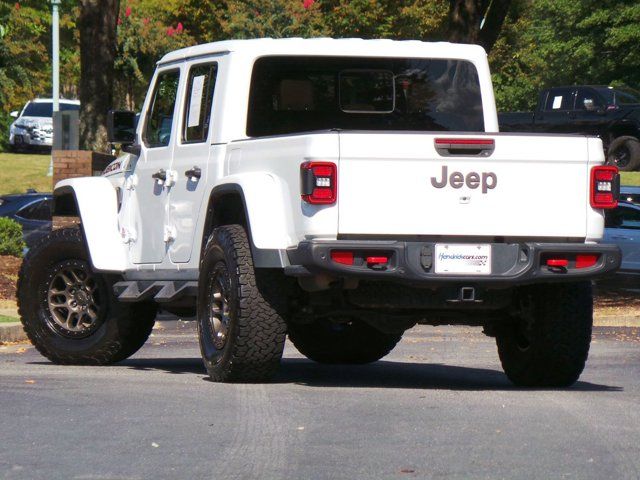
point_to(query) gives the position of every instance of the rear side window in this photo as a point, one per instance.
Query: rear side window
(198, 102)
(40, 210)
(559, 99)
(296, 94)
(157, 131)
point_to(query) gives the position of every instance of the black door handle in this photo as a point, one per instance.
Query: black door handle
(194, 172)
(160, 175)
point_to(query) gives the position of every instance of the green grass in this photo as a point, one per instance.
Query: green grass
(630, 178)
(20, 171)
(5, 319)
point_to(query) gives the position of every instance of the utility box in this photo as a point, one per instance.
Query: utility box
(66, 130)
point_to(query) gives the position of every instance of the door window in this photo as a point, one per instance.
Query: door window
(559, 99)
(40, 210)
(157, 131)
(198, 102)
(623, 217)
(588, 100)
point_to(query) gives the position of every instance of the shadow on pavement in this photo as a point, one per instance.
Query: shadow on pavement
(382, 374)
(168, 365)
(388, 374)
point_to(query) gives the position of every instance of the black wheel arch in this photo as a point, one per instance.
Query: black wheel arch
(620, 129)
(65, 203)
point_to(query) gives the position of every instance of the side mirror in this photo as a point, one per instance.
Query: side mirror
(121, 127)
(14, 114)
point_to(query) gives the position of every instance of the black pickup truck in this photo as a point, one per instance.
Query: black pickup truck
(609, 113)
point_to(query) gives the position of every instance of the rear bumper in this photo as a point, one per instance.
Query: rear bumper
(413, 262)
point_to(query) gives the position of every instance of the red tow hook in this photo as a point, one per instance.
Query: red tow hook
(557, 265)
(377, 262)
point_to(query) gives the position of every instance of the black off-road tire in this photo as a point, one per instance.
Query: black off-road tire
(352, 343)
(624, 153)
(244, 344)
(121, 329)
(549, 345)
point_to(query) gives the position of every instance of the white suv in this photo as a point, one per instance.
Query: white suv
(33, 127)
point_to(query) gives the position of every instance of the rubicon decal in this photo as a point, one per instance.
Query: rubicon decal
(486, 180)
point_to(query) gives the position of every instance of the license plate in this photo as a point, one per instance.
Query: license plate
(457, 259)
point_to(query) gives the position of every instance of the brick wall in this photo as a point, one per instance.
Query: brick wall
(78, 163)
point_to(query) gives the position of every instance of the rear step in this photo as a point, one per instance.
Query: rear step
(159, 291)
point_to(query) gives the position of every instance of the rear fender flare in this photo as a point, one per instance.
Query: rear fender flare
(268, 228)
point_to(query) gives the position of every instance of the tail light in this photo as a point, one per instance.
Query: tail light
(586, 260)
(564, 262)
(318, 183)
(343, 257)
(605, 186)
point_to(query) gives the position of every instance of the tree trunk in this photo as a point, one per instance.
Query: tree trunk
(465, 18)
(97, 25)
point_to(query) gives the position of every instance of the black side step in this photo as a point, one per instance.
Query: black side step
(160, 291)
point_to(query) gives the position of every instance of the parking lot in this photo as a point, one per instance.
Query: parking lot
(438, 406)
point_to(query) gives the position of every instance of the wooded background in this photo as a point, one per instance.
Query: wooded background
(532, 44)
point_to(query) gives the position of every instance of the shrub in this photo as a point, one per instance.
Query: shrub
(11, 241)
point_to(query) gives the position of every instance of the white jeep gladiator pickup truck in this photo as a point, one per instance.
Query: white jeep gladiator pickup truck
(340, 191)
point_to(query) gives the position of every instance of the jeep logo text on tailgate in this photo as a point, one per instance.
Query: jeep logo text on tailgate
(488, 180)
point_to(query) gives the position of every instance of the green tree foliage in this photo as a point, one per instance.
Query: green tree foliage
(146, 31)
(270, 18)
(564, 42)
(25, 71)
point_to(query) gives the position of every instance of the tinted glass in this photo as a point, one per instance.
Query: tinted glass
(630, 218)
(45, 109)
(367, 91)
(40, 210)
(622, 217)
(559, 99)
(626, 98)
(199, 99)
(298, 94)
(587, 99)
(158, 128)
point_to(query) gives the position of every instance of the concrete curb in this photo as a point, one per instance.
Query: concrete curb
(616, 321)
(12, 332)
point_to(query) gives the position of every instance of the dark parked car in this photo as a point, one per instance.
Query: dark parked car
(630, 194)
(32, 210)
(609, 113)
(622, 227)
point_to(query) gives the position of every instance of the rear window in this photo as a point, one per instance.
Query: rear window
(45, 109)
(297, 94)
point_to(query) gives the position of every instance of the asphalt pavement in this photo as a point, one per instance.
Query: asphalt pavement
(438, 406)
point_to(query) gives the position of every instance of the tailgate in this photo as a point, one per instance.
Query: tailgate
(400, 184)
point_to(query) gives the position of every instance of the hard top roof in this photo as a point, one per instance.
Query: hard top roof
(50, 100)
(329, 47)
